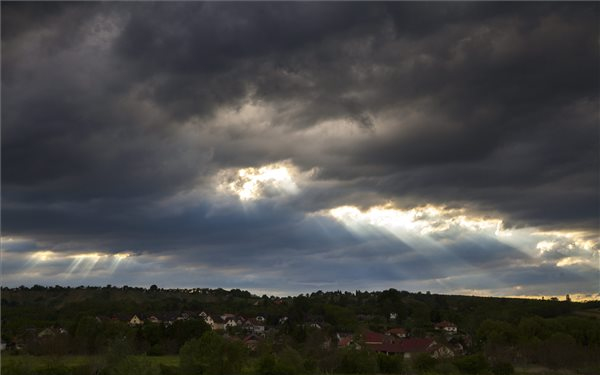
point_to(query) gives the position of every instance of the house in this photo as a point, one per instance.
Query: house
(397, 332)
(346, 340)
(439, 351)
(184, 316)
(51, 332)
(154, 319)
(47, 332)
(416, 345)
(375, 338)
(255, 326)
(407, 347)
(386, 348)
(135, 321)
(218, 324)
(393, 316)
(446, 327)
(230, 323)
(169, 318)
(251, 341)
(207, 318)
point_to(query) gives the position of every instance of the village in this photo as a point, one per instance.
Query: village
(444, 341)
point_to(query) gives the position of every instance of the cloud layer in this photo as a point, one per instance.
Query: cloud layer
(155, 132)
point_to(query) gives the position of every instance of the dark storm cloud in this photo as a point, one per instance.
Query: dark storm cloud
(111, 111)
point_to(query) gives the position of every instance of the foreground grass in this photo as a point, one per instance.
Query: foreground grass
(40, 363)
(35, 364)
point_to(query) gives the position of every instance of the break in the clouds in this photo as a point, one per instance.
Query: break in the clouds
(290, 147)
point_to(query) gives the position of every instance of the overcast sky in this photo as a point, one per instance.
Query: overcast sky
(290, 147)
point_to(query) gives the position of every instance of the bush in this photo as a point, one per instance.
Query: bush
(357, 362)
(445, 368)
(168, 370)
(471, 364)
(503, 368)
(423, 363)
(211, 354)
(269, 365)
(389, 364)
(134, 366)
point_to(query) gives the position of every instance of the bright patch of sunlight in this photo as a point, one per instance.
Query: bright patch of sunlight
(434, 224)
(42, 256)
(422, 220)
(81, 264)
(545, 246)
(255, 183)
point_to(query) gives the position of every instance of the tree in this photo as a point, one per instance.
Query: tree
(357, 362)
(389, 364)
(471, 364)
(423, 363)
(88, 328)
(184, 330)
(211, 355)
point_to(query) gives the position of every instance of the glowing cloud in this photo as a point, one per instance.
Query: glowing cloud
(81, 264)
(249, 184)
(433, 225)
(422, 220)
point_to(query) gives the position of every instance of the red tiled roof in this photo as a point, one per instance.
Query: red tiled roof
(415, 345)
(373, 337)
(445, 324)
(386, 347)
(345, 341)
(412, 345)
(397, 331)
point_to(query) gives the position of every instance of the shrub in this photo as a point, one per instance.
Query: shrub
(471, 364)
(503, 368)
(357, 362)
(423, 363)
(389, 364)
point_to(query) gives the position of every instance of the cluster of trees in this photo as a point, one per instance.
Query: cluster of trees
(561, 342)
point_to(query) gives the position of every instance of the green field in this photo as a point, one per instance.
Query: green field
(26, 364)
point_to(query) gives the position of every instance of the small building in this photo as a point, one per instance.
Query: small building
(218, 324)
(135, 321)
(376, 338)
(397, 332)
(255, 326)
(416, 345)
(207, 318)
(230, 323)
(251, 341)
(446, 327)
